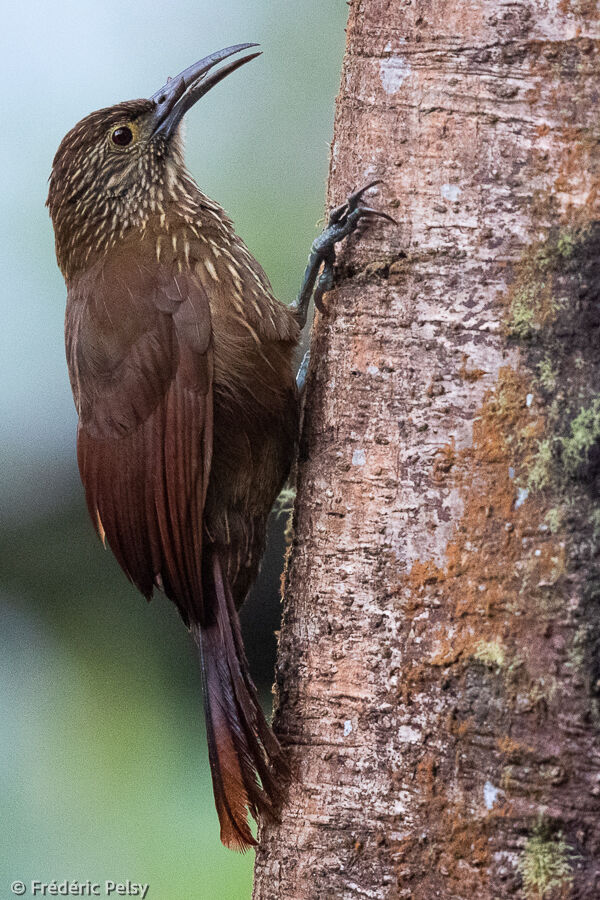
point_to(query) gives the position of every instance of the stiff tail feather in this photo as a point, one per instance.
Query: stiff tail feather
(247, 763)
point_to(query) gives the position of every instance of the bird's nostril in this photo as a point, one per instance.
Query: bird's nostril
(162, 98)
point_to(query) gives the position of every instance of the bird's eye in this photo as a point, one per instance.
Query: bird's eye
(122, 136)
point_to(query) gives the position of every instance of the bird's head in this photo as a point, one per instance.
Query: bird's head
(122, 164)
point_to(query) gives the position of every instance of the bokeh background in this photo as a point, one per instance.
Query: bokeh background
(103, 765)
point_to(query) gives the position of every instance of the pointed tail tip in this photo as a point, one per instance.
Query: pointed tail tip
(248, 765)
(239, 840)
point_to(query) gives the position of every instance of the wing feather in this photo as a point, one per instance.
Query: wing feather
(139, 350)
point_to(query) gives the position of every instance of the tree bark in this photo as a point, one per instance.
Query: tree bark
(439, 672)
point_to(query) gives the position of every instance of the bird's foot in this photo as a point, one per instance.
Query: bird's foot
(343, 220)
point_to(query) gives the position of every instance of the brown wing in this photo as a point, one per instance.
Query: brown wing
(138, 337)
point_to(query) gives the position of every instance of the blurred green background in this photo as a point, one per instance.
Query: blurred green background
(103, 765)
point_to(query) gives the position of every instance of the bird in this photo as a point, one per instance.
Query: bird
(181, 364)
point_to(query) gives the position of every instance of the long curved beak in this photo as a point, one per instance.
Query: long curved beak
(180, 93)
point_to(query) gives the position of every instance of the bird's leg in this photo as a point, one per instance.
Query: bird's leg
(342, 222)
(302, 372)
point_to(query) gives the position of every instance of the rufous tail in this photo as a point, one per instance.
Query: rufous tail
(247, 764)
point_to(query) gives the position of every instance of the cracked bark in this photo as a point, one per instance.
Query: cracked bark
(438, 670)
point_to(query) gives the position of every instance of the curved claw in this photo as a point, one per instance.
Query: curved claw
(369, 211)
(354, 198)
(339, 214)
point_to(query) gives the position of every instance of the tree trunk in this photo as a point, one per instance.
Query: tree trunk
(439, 671)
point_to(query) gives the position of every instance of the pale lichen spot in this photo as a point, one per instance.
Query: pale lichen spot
(408, 735)
(393, 72)
(490, 653)
(359, 458)
(490, 794)
(450, 192)
(522, 495)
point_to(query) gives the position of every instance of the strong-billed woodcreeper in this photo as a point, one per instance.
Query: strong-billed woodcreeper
(181, 366)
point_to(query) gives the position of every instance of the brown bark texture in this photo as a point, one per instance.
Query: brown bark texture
(439, 671)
